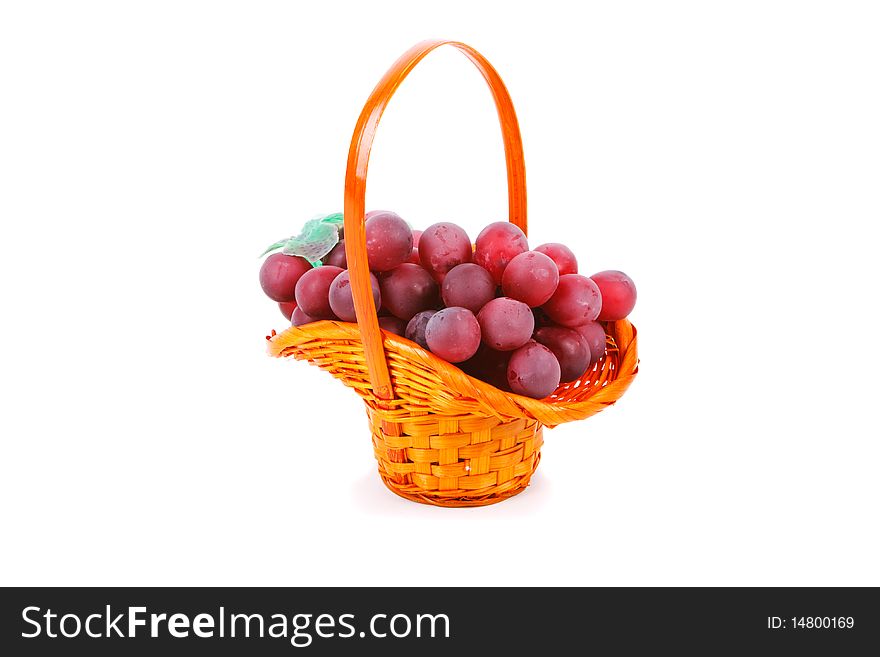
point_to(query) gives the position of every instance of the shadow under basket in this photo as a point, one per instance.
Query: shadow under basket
(446, 438)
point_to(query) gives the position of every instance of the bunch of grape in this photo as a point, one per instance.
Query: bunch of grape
(521, 320)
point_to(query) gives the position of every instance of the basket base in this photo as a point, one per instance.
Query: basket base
(416, 494)
(458, 461)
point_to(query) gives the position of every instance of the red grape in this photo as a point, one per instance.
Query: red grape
(570, 349)
(298, 318)
(443, 246)
(415, 328)
(533, 371)
(336, 257)
(594, 335)
(407, 289)
(488, 365)
(497, 245)
(279, 275)
(468, 286)
(340, 297)
(530, 277)
(389, 240)
(414, 257)
(312, 291)
(618, 294)
(393, 325)
(417, 234)
(287, 308)
(506, 323)
(577, 300)
(453, 334)
(561, 255)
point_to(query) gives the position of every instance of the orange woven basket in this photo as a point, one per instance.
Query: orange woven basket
(440, 436)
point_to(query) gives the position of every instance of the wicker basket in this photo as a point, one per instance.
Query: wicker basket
(440, 436)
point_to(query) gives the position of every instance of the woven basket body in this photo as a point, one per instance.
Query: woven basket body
(439, 436)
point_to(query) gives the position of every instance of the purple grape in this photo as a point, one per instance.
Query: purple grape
(488, 365)
(468, 286)
(577, 300)
(533, 371)
(561, 255)
(570, 349)
(287, 308)
(298, 318)
(313, 289)
(618, 294)
(593, 334)
(340, 297)
(279, 275)
(453, 334)
(531, 277)
(415, 329)
(443, 246)
(506, 324)
(336, 257)
(393, 325)
(389, 240)
(497, 245)
(408, 289)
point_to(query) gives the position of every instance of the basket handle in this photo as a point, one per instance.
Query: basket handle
(356, 188)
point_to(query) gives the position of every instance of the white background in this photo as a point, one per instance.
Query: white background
(725, 155)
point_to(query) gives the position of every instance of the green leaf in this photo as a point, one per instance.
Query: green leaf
(315, 240)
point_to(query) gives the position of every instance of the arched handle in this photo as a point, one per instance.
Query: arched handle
(356, 189)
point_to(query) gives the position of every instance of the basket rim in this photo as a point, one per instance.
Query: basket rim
(550, 411)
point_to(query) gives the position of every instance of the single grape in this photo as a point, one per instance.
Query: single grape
(468, 286)
(415, 328)
(279, 275)
(497, 245)
(393, 325)
(618, 294)
(298, 318)
(533, 371)
(561, 255)
(453, 334)
(414, 257)
(389, 240)
(530, 277)
(313, 289)
(506, 324)
(594, 335)
(337, 257)
(287, 308)
(407, 289)
(577, 300)
(340, 297)
(417, 234)
(488, 365)
(443, 246)
(570, 349)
